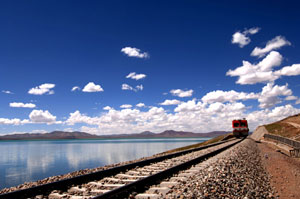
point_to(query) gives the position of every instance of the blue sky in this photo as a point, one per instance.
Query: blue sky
(211, 61)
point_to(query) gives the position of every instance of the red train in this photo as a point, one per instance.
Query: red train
(240, 128)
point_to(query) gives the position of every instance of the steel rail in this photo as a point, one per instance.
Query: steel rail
(66, 183)
(142, 184)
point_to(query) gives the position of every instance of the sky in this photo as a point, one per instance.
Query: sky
(111, 67)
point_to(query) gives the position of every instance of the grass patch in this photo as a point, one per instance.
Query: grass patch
(211, 141)
(283, 129)
(274, 128)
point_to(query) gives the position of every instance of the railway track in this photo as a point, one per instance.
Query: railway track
(122, 181)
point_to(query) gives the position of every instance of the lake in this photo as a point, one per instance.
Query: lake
(24, 161)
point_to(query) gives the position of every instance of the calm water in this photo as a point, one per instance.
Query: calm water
(23, 161)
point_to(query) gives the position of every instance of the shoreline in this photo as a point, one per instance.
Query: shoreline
(12, 140)
(86, 171)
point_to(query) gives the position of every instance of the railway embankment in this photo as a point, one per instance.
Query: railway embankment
(235, 173)
(284, 170)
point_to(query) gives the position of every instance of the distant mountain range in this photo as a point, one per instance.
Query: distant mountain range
(82, 135)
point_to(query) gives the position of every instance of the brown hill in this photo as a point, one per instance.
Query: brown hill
(288, 127)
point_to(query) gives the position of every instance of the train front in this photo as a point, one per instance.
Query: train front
(240, 128)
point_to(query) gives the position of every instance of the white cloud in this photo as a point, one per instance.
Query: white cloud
(251, 31)
(181, 93)
(190, 106)
(227, 96)
(140, 105)
(269, 95)
(42, 89)
(15, 121)
(23, 132)
(274, 44)
(170, 102)
(69, 129)
(90, 130)
(290, 98)
(134, 52)
(262, 72)
(241, 38)
(75, 88)
(92, 87)
(107, 108)
(135, 76)
(267, 116)
(139, 87)
(36, 116)
(126, 106)
(22, 105)
(298, 101)
(292, 70)
(269, 62)
(128, 87)
(77, 117)
(7, 92)
(192, 116)
(40, 116)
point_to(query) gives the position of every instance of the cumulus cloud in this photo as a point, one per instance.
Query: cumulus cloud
(75, 88)
(77, 117)
(182, 93)
(191, 115)
(290, 98)
(40, 116)
(33, 131)
(126, 106)
(134, 52)
(267, 116)
(274, 44)
(269, 62)
(198, 118)
(241, 38)
(90, 130)
(298, 101)
(7, 92)
(42, 89)
(135, 76)
(170, 102)
(92, 87)
(22, 105)
(107, 108)
(228, 96)
(14, 121)
(190, 106)
(262, 72)
(292, 70)
(140, 105)
(269, 95)
(36, 116)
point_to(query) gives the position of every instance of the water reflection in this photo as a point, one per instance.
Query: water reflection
(22, 161)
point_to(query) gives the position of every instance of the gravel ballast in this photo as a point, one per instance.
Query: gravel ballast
(235, 173)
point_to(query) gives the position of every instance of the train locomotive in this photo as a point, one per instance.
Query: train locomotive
(240, 128)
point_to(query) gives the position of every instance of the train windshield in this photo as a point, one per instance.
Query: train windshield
(236, 124)
(243, 124)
